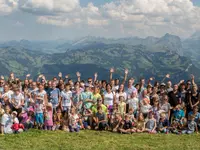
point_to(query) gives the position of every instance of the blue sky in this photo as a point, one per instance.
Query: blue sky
(196, 2)
(55, 19)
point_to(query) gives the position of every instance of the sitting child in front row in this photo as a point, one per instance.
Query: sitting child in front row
(126, 125)
(100, 119)
(140, 125)
(151, 124)
(73, 121)
(192, 126)
(163, 124)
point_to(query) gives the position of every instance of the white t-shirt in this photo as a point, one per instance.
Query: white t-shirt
(133, 103)
(7, 122)
(66, 98)
(108, 98)
(17, 99)
(8, 94)
(145, 108)
(120, 94)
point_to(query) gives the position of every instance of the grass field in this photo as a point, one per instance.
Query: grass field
(93, 140)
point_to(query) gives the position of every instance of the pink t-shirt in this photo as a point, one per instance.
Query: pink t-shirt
(49, 118)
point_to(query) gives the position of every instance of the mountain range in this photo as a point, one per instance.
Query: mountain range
(144, 57)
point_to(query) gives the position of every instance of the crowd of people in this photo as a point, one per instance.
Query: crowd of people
(117, 106)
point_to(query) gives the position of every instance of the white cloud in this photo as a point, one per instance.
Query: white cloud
(7, 6)
(42, 7)
(129, 17)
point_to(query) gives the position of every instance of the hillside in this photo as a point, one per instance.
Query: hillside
(146, 57)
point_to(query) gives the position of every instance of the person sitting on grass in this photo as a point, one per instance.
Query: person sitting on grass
(100, 119)
(178, 115)
(163, 125)
(126, 125)
(86, 118)
(6, 122)
(73, 121)
(140, 125)
(115, 122)
(151, 124)
(57, 119)
(192, 126)
(16, 127)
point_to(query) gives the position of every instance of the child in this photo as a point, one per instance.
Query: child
(178, 115)
(145, 108)
(133, 103)
(122, 106)
(57, 119)
(1, 114)
(87, 118)
(66, 99)
(174, 128)
(155, 110)
(166, 107)
(163, 124)
(16, 127)
(65, 122)
(115, 123)
(73, 121)
(39, 117)
(29, 123)
(140, 125)
(192, 126)
(151, 124)
(126, 125)
(132, 116)
(48, 117)
(100, 119)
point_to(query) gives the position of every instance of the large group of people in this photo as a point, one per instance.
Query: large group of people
(118, 106)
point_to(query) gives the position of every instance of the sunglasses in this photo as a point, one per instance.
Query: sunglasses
(89, 81)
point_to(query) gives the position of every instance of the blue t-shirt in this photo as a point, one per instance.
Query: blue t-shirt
(54, 96)
(197, 116)
(178, 114)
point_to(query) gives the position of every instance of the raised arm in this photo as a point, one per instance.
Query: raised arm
(192, 79)
(111, 73)
(66, 77)
(125, 76)
(60, 75)
(27, 76)
(78, 74)
(95, 77)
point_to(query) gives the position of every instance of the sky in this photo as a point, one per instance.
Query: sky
(68, 19)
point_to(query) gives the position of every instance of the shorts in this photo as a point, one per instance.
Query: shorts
(66, 108)
(39, 118)
(110, 109)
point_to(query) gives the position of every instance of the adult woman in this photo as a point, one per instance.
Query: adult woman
(121, 92)
(109, 98)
